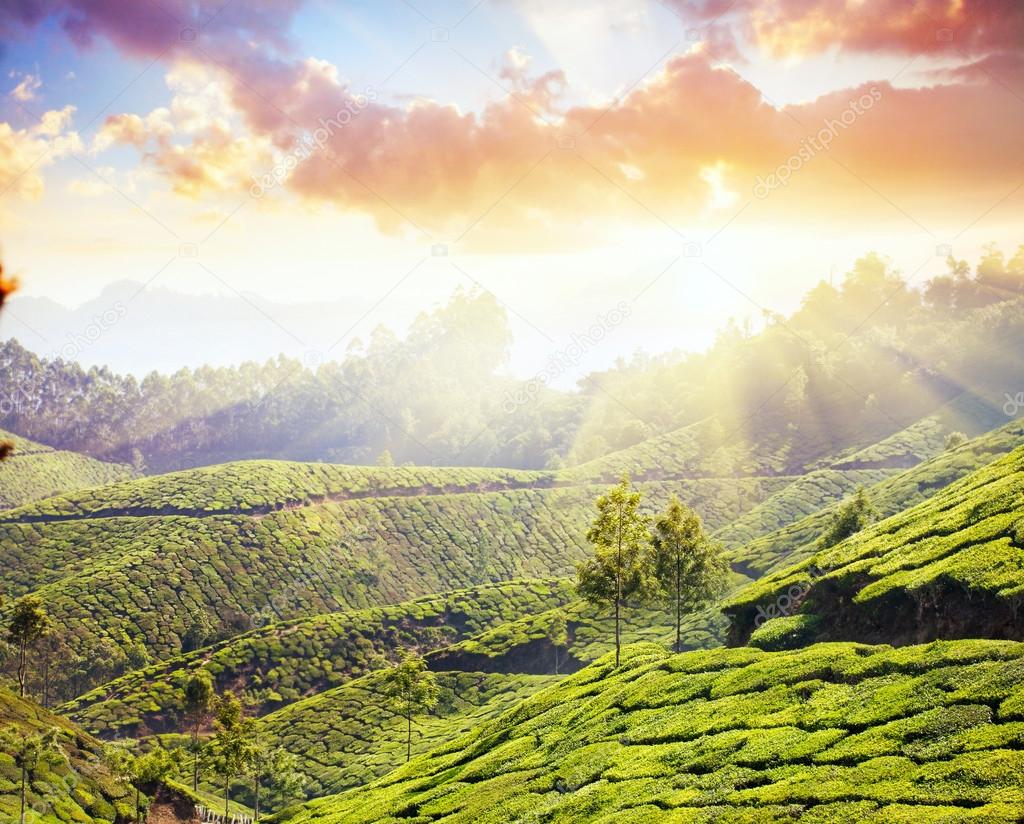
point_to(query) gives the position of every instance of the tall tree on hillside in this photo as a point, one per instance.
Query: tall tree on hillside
(27, 624)
(30, 752)
(851, 517)
(410, 688)
(688, 566)
(198, 701)
(273, 768)
(620, 567)
(558, 634)
(198, 631)
(232, 744)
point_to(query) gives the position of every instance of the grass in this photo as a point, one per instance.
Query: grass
(833, 732)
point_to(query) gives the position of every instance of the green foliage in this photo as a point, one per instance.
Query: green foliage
(620, 566)
(286, 661)
(409, 689)
(899, 579)
(795, 540)
(347, 736)
(28, 623)
(687, 566)
(32, 472)
(851, 517)
(68, 783)
(834, 732)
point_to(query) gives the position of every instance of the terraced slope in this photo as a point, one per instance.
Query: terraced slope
(830, 733)
(35, 471)
(345, 737)
(138, 576)
(80, 790)
(284, 662)
(950, 567)
(796, 541)
(967, 413)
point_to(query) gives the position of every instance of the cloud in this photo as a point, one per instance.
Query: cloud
(921, 27)
(170, 27)
(690, 142)
(26, 88)
(25, 152)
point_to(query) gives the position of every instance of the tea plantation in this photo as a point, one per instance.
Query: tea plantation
(78, 789)
(950, 567)
(286, 661)
(837, 732)
(35, 471)
(346, 737)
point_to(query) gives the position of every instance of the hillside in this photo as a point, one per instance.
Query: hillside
(80, 790)
(950, 567)
(345, 737)
(796, 541)
(283, 662)
(833, 732)
(136, 576)
(35, 472)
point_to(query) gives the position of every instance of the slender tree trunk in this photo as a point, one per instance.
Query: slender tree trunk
(195, 756)
(556, 659)
(22, 667)
(138, 805)
(256, 792)
(679, 605)
(227, 798)
(24, 779)
(408, 737)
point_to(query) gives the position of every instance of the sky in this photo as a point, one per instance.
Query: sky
(686, 160)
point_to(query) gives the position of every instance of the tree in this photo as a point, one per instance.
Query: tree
(275, 768)
(620, 566)
(558, 634)
(199, 702)
(851, 518)
(955, 439)
(688, 566)
(28, 623)
(153, 769)
(410, 688)
(232, 744)
(30, 752)
(198, 631)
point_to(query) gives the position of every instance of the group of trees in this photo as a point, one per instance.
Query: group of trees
(676, 564)
(235, 749)
(52, 663)
(434, 396)
(853, 353)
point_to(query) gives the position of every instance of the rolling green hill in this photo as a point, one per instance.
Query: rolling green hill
(35, 472)
(831, 733)
(283, 662)
(79, 790)
(950, 567)
(796, 541)
(345, 737)
(137, 576)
